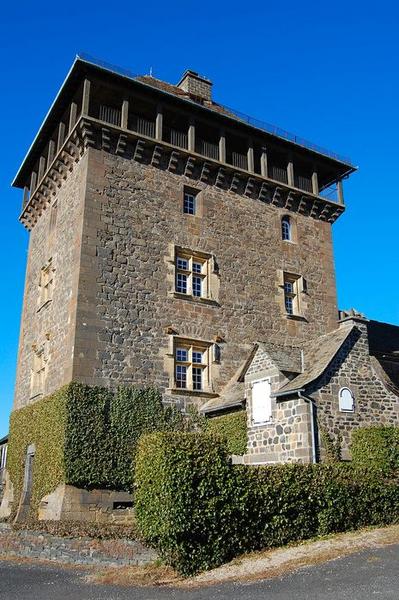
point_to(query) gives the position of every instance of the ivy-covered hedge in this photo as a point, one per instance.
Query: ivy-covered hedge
(233, 428)
(376, 447)
(199, 511)
(42, 424)
(85, 436)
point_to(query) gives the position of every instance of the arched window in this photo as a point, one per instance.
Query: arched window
(286, 228)
(346, 400)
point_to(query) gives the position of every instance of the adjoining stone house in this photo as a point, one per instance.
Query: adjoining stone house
(167, 235)
(296, 395)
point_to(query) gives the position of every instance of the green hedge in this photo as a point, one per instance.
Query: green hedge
(376, 447)
(85, 436)
(42, 424)
(233, 428)
(200, 511)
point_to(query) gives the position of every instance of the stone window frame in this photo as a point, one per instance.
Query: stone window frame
(46, 284)
(39, 370)
(209, 365)
(209, 275)
(298, 295)
(288, 233)
(190, 201)
(346, 410)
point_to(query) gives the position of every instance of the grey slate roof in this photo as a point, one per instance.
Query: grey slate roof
(318, 354)
(233, 394)
(286, 358)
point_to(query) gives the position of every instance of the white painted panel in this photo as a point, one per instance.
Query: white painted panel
(346, 400)
(261, 402)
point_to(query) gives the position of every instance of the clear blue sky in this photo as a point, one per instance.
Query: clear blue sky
(327, 71)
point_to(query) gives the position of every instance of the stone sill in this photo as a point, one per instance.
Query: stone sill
(271, 423)
(196, 299)
(296, 318)
(195, 393)
(47, 303)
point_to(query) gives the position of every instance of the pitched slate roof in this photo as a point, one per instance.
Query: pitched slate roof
(286, 358)
(233, 394)
(318, 354)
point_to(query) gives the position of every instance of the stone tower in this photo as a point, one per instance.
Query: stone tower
(167, 234)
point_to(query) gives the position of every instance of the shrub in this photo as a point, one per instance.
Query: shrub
(199, 510)
(42, 424)
(377, 448)
(233, 428)
(85, 436)
(88, 456)
(182, 500)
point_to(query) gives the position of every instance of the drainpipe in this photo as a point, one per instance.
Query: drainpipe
(312, 422)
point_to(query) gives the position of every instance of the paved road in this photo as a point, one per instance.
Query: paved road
(364, 576)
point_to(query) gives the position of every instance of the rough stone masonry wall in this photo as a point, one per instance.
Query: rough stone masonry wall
(133, 212)
(82, 551)
(57, 318)
(287, 438)
(374, 403)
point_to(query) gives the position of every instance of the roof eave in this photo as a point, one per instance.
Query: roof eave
(20, 177)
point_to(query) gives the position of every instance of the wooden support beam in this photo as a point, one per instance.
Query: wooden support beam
(159, 123)
(191, 136)
(33, 181)
(290, 173)
(60, 135)
(51, 152)
(42, 167)
(125, 114)
(263, 163)
(250, 157)
(25, 197)
(86, 98)
(72, 116)
(315, 183)
(340, 192)
(222, 146)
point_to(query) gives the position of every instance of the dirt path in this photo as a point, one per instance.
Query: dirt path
(258, 565)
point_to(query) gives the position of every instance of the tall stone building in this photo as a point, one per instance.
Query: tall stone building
(177, 243)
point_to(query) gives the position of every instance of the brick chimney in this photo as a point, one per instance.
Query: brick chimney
(196, 86)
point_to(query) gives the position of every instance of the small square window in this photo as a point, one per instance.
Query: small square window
(181, 376)
(189, 203)
(197, 356)
(192, 365)
(181, 283)
(182, 354)
(182, 263)
(197, 287)
(197, 378)
(291, 294)
(192, 274)
(197, 267)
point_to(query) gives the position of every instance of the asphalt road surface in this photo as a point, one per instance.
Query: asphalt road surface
(364, 576)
